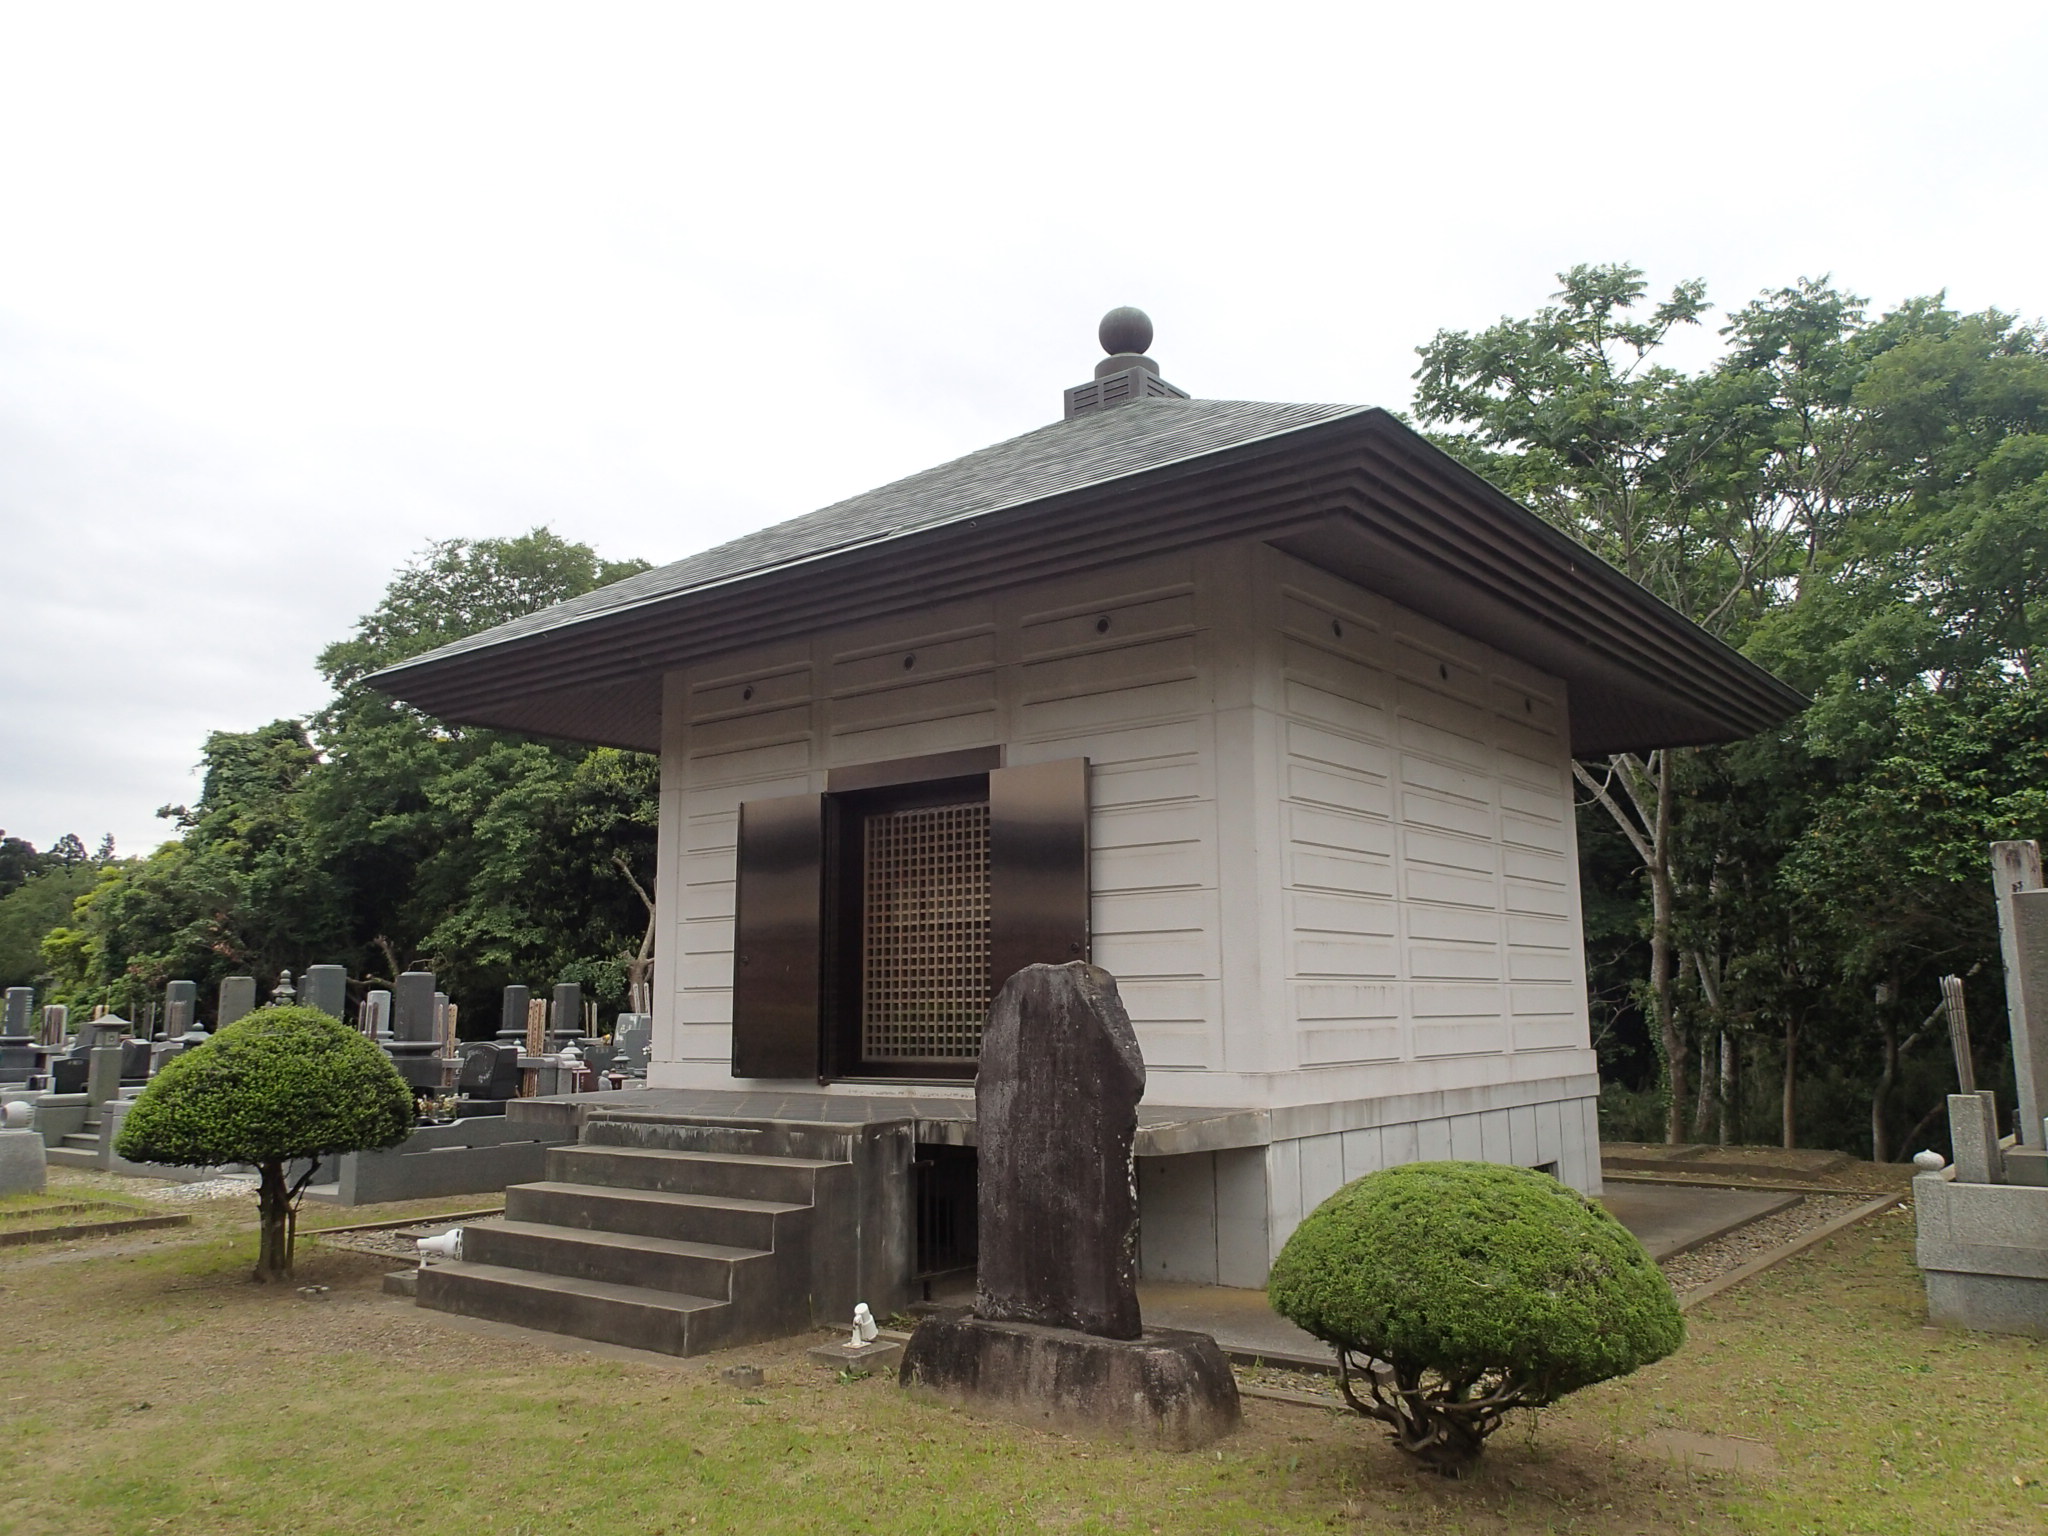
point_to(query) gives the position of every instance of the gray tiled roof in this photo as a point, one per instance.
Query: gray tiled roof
(1065, 456)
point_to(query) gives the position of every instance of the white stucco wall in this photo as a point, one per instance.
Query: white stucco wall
(1381, 806)
(1333, 859)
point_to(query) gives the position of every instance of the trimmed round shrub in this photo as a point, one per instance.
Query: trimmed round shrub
(274, 1087)
(1454, 1292)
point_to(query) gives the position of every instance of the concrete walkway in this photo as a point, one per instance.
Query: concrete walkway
(1667, 1218)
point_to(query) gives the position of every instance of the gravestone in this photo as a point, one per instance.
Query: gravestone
(377, 1015)
(512, 1015)
(237, 999)
(19, 1058)
(1056, 1104)
(490, 1070)
(103, 1057)
(415, 1045)
(1055, 1336)
(565, 1017)
(325, 987)
(181, 1008)
(632, 1037)
(56, 1023)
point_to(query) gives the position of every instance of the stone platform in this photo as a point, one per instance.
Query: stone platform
(1165, 1388)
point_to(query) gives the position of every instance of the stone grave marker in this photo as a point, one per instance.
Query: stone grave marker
(415, 1044)
(1055, 1336)
(237, 999)
(18, 1055)
(565, 1018)
(181, 1008)
(325, 987)
(512, 1015)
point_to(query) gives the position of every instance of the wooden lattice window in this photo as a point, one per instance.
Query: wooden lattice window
(925, 933)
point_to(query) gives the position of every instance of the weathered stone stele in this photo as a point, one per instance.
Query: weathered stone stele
(1055, 1337)
(1056, 1103)
(325, 987)
(181, 1007)
(237, 998)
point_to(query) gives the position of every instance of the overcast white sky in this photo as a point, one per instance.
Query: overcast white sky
(286, 291)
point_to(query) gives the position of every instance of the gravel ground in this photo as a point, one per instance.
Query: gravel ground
(229, 1186)
(392, 1242)
(1712, 1260)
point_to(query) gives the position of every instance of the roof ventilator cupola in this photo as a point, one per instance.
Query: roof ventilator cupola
(1125, 375)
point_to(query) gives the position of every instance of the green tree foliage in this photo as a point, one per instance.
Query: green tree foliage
(375, 837)
(37, 894)
(275, 1087)
(1481, 1289)
(1862, 505)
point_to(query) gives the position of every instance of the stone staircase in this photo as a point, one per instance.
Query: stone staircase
(673, 1237)
(79, 1148)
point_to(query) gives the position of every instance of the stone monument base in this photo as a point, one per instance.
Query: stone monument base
(1167, 1388)
(24, 1163)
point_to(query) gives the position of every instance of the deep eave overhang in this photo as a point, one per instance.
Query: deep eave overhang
(1359, 495)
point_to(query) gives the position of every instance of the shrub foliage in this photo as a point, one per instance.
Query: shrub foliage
(1477, 1289)
(280, 1085)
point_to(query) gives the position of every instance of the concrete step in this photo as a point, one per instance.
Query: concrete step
(723, 1219)
(747, 1175)
(83, 1141)
(72, 1157)
(618, 1258)
(666, 1321)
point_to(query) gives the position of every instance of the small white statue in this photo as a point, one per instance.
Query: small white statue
(863, 1326)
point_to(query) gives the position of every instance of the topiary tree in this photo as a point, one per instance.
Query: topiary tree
(1477, 1288)
(273, 1087)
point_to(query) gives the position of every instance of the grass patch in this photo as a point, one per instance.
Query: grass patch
(164, 1393)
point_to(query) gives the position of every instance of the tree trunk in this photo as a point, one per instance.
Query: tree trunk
(1731, 1081)
(1788, 1091)
(1880, 1098)
(274, 1218)
(1704, 1103)
(1661, 904)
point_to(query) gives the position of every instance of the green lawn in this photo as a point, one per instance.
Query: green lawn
(153, 1389)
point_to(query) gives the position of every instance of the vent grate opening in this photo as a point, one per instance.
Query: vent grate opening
(925, 951)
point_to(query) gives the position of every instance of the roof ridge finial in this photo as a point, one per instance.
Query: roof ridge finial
(1127, 373)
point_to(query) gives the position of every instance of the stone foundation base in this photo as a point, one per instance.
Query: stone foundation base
(1990, 1303)
(1166, 1388)
(23, 1161)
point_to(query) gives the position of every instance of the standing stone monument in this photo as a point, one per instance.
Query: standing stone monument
(512, 1015)
(1055, 1336)
(103, 1069)
(415, 1044)
(1982, 1223)
(18, 1055)
(181, 1008)
(565, 1018)
(325, 987)
(237, 998)
(56, 1023)
(377, 1015)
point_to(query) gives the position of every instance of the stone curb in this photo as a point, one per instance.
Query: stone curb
(1699, 1293)
(404, 1221)
(91, 1229)
(1701, 1181)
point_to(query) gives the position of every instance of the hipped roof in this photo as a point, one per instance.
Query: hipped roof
(1346, 488)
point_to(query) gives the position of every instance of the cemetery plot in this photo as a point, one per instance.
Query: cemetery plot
(57, 1219)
